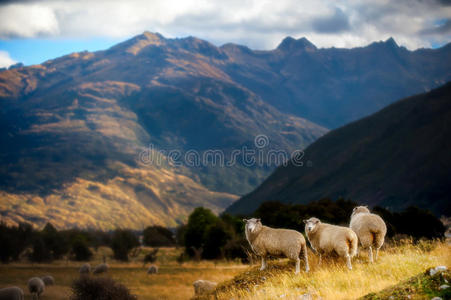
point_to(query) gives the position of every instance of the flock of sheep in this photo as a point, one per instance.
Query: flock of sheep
(324, 238)
(36, 285)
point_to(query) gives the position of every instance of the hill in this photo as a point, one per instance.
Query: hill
(394, 158)
(79, 133)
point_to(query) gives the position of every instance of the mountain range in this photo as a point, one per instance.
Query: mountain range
(75, 128)
(395, 158)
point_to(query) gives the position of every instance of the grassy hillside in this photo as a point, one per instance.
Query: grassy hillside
(394, 158)
(332, 280)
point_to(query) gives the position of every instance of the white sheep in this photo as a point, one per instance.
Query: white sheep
(85, 269)
(326, 238)
(11, 293)
(48, 280)
(101, 268)
(152, 269)
(202, 287)
(266, 241)
(370, 229)
(36, 287)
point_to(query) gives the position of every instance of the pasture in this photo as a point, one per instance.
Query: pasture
(331, 280)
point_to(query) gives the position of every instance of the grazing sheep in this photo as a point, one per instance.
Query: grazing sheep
(203, 287)
(266, 241)
(370, 229)
(326, 238)
(48, 280)
(152, 269)
(36, 287)
(85, 269)
(11, 293)
(101, 268)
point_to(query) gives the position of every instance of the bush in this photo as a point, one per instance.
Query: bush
(157, 236)
(99, 288)
(40, 252)
(199, 223)
(122, 243)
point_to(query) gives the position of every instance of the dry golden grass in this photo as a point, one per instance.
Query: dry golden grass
(332, 280)
(174, 281)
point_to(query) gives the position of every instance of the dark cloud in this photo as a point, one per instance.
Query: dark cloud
(338, 22)
(444, 28)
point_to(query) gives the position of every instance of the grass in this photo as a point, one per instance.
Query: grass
(173, 281)
(332, 280)
(396, 264)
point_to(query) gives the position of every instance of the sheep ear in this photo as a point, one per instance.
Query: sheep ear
(245, 220)
(316, 221)
(259, 220)
(305, 221)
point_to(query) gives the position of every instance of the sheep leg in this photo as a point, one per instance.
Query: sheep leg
(307, 268)
(319, 262)
(263, 264)
(377, 252)
(370, 254)
(298, 265)
(348, 262)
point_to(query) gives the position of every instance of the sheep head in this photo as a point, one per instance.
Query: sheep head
(311, 224)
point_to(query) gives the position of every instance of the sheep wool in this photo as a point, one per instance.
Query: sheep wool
(36, 287)
(11, 293)
(370, 229)
(266, 241)
(326, 238)
(202, 287)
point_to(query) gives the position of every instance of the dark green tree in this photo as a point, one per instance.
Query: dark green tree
(80, 249)
(122, 243)
(158, 236)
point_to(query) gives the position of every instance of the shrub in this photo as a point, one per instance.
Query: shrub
(99, 288)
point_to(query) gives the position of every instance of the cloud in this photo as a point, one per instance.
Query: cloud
(260, 24)
(5, 60)
(338, 22)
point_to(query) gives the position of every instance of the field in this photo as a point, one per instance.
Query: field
(330, 281)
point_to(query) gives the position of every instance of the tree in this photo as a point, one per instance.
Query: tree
(80, 249)
(40, 252)
(54, 241)
(158, 236)
(198, 225)
(122, 243)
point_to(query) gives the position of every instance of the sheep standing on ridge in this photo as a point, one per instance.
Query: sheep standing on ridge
(36, 287)
(326, 238)
(48, 280)
(370, 229)
(101, 268)
(85, 269)
(11, 293)
(266, 241)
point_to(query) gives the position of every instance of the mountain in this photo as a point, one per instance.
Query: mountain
(98, 139)
(143, 132)
(397, 157)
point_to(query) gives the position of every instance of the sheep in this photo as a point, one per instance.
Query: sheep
(152, 269)
(101, 268)
(326, 238)
(48, 280)
(11, 293)
(36, 287)
(85, 269)
(266, 241)
(370, 229)
(203, 287)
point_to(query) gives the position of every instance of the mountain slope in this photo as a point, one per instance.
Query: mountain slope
(84, 128)
(394, 158)
(78, 124)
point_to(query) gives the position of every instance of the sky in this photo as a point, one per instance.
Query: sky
(33, 31)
